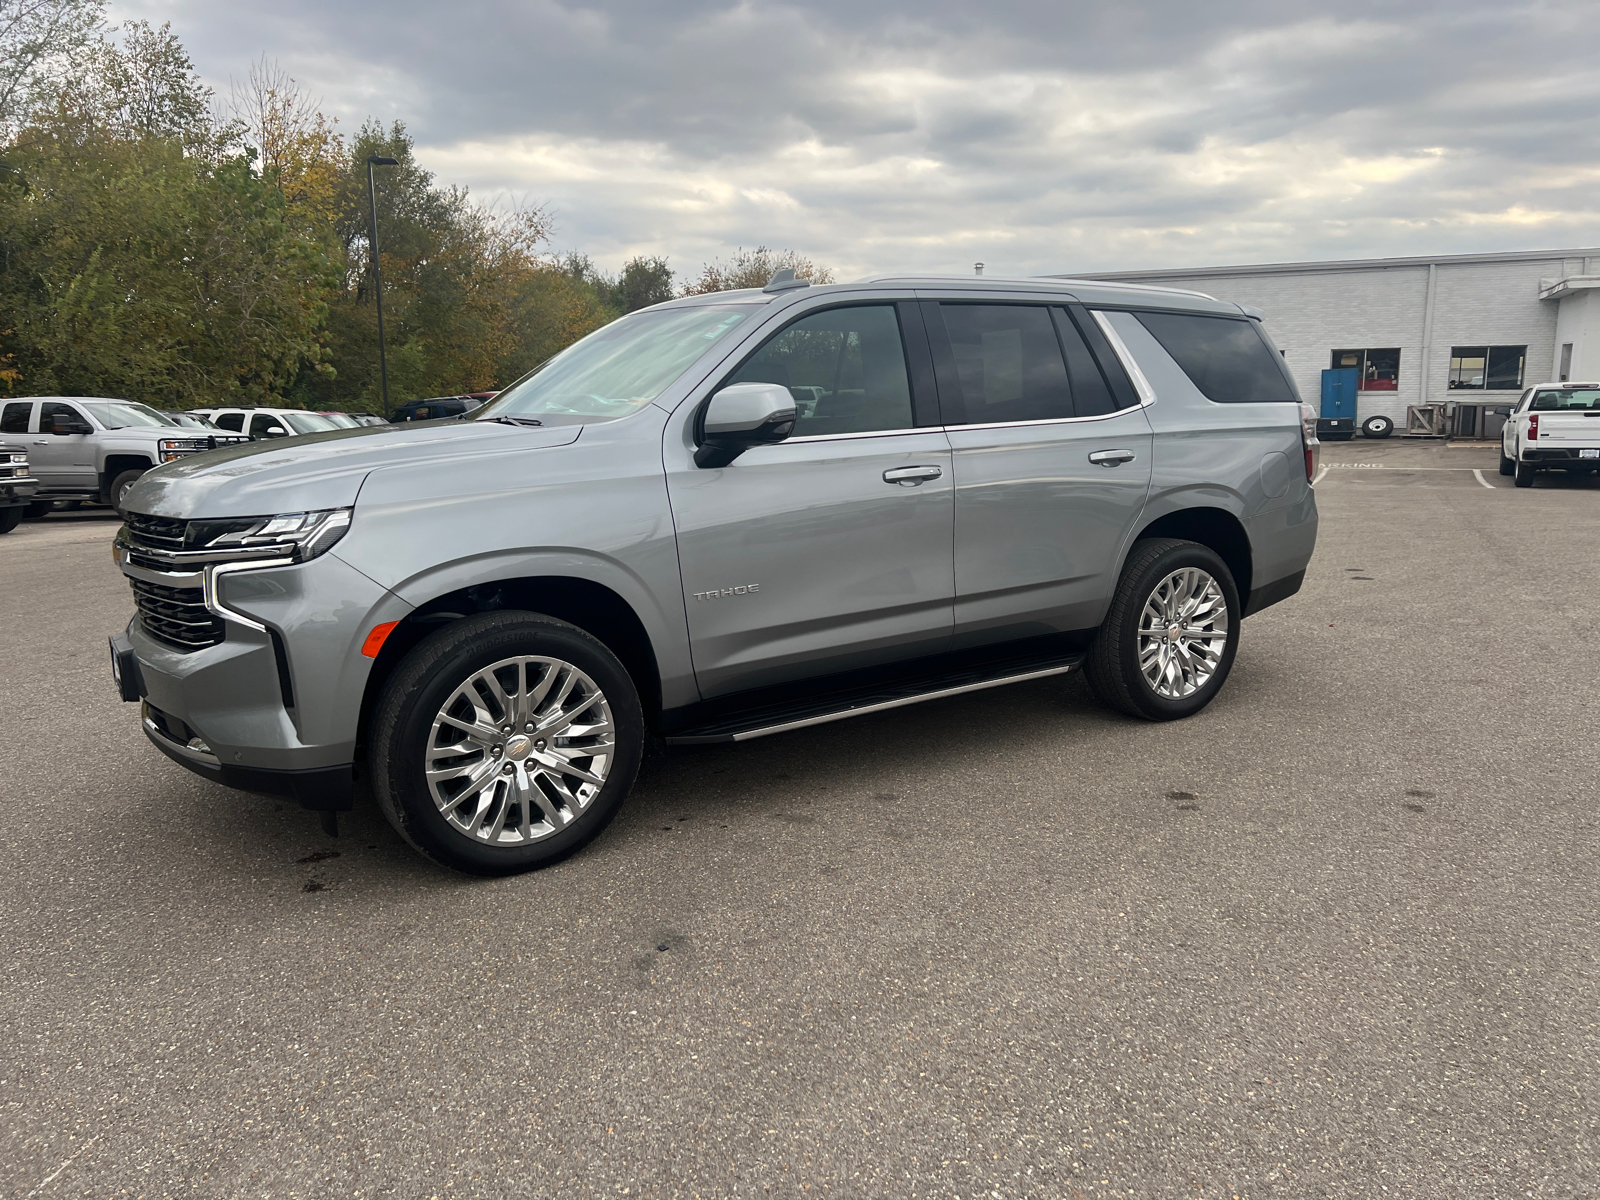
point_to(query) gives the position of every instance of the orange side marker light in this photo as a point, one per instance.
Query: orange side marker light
(375, 639)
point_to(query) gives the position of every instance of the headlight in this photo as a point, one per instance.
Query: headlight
(19, 459)
(303, 535)
(175, 448)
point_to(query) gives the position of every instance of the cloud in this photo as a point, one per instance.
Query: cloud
(1038, 137)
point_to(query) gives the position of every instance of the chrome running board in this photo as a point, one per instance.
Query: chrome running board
(881, 700)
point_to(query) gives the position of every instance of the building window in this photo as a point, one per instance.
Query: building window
(1566, 362)
(1377, 370)
(1486, 368)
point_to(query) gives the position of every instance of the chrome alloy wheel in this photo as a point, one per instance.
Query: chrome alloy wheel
(520, 750)
(1183, 632)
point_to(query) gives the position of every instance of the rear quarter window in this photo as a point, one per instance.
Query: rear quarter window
(1226, 358)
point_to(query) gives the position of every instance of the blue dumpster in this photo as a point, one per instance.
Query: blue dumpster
(1338, 420)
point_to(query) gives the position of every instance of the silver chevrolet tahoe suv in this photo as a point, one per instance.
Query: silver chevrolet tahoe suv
(716, 519)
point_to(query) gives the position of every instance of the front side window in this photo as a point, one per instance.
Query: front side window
(619, 368)
(1487, 368)
(845, 368)
(1558, 399)
(1376, 370)
(232, 421)
(1225, 357)
(1008, 363)
(263, 423)
(14, 417)
(51, 409)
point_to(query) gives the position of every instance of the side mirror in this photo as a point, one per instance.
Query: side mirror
(63, 424)
(741, 416)
(276, 431)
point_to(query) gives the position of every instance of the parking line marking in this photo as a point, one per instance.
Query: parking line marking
(1320, 474)
(1479, 475)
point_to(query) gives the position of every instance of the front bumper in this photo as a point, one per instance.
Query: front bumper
(18, 489)
(325, 789)
(274, 706)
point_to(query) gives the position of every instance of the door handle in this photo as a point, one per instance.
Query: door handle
(1111, 458)
(911, 476)
(46, 442)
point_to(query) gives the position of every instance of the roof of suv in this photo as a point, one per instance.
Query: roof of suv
(1090, 291)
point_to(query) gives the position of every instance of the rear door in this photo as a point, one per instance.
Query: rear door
(1052, 464)
(830, 551)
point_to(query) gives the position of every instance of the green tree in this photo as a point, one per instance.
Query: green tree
(645, 281)
(142, 255)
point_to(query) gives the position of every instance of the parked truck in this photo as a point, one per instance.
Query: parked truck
(17, 484)
(84, 448)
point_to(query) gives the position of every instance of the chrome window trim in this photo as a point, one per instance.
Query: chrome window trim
(845, 437)
(1121, 412)
(1147, 394)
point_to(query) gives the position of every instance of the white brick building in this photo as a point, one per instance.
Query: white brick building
(1466, 328)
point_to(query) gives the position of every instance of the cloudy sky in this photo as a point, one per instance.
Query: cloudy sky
(1040, 136)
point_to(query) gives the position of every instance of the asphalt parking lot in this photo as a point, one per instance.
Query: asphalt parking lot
(1335, 936)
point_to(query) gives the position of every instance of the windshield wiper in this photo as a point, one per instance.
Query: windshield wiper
(513, 420)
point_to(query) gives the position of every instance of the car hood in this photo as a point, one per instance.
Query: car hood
(318, 470)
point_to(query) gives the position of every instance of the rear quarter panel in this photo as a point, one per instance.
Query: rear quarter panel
(1245, 459)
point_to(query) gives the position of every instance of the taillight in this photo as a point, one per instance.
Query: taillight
(1308, 440)
(1533, 427)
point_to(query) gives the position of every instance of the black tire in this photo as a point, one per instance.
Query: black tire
(121, 484)
(1377, 427)
(1508, 465)
(38, 509)
(1112, 665)
(10, 518)
(1524, 474)
(422, 684)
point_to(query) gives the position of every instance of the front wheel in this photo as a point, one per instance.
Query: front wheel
(1169, 638)
(10, 518)
(1524, 474)
(505, 741)
(119, 488)
(1507, 464)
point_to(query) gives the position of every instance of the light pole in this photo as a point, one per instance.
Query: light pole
(378, 160)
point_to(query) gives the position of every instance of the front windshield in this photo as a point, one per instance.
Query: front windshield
(190, 422)
(121, 414)
(618, 369)
(304, 422)
(1555, 399)
(340, 420)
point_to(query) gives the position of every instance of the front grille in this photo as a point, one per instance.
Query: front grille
(156, 533)
(176, 616)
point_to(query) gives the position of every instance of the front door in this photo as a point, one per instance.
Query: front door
(1052, 464)
(62, 460)
(831, 551)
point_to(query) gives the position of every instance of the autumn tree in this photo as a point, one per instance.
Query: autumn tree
(753, 269)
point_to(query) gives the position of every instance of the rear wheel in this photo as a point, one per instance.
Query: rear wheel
(10, 518)
(1169, 638)
(505, 742)
(1524, 474)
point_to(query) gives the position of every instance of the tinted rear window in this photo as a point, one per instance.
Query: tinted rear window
(1225, 358)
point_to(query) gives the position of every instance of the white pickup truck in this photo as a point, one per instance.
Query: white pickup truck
(1553, 425)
